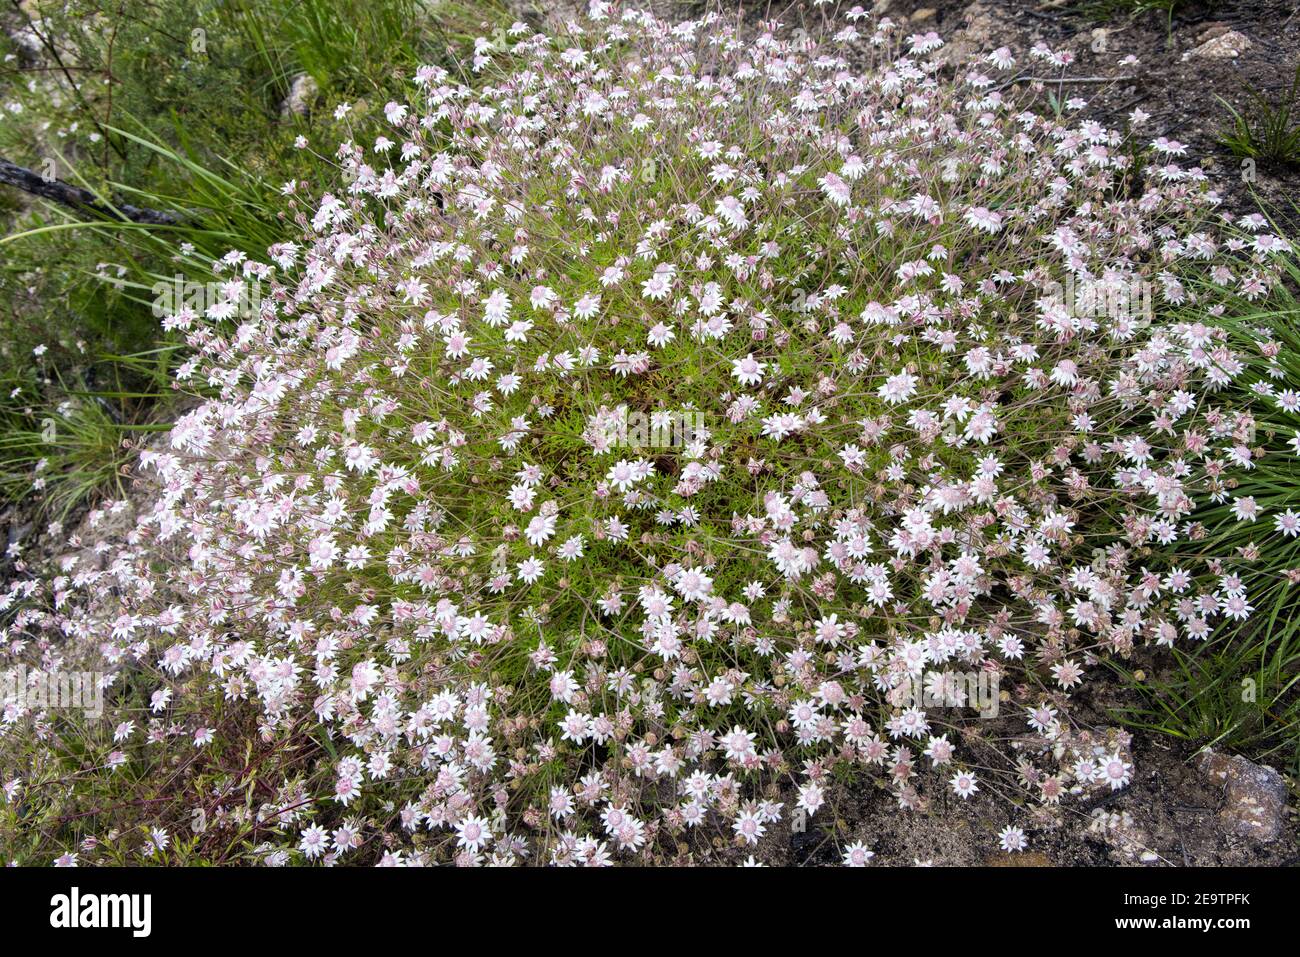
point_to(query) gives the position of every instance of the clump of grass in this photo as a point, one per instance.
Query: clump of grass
(1267, 129)
(350, 47)
(78, 451)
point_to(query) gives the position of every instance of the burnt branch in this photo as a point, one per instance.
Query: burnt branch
(56, 190)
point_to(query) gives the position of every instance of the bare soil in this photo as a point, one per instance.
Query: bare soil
(1178, 80)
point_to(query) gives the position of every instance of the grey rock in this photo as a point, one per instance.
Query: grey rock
(1254, 796)
(301, 94)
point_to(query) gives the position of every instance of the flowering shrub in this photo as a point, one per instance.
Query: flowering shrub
(411, 590)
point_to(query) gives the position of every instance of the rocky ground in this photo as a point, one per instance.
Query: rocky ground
(1182, 809)
(1209, 51)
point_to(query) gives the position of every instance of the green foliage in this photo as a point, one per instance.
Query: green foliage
(79, 449)
(352, 47)
(1269, 129)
